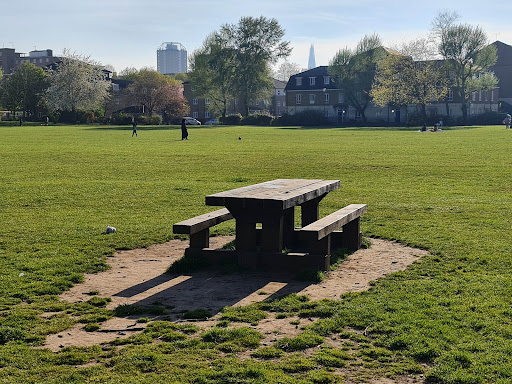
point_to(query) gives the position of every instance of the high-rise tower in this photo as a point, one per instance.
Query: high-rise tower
(311, 62)
(171, 58)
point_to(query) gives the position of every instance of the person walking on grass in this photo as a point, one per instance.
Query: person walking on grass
(134, 128)
(184, 132)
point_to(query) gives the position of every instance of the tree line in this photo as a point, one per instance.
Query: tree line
(78, 85)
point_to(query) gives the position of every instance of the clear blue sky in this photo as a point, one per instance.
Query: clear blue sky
(126, 33)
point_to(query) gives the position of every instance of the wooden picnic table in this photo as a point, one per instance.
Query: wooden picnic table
(272, 204)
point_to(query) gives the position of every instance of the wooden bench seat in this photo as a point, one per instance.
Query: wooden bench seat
(199, 227)
(317, 235)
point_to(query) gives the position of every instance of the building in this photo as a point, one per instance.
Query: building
(503, 71)
(314, 90)
(171, 58)
(10, 59)
(278, 103)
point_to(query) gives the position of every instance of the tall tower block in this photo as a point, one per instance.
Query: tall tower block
(171, 58)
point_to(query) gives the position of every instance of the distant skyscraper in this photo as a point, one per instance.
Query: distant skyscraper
(311, 62)
(171, 58)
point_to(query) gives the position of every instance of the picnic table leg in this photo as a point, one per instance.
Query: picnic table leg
(272, 233)
(310, 210)
(289, 227)
(245, 235)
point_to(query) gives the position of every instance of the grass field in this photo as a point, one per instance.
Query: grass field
(448, 316)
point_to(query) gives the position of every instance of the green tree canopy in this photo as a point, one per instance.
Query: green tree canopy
(400, 81)
(24, 89)
(466, 51)
(257, 44)
(354, 70)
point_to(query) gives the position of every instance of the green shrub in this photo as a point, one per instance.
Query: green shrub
(99, 301)
(330, 357)
(231, 119)
(261, 119)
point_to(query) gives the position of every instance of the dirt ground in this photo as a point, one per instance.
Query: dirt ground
(138, 277)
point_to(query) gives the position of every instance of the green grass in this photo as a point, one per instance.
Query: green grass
(450, 193)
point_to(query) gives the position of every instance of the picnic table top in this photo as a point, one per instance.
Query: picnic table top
(275, 194)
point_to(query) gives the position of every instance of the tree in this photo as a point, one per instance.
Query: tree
(466, 51)
(212, 72)
(155, 91)
(286, 70)
(24, 89)
(77, 84)
(401, 81)
(483, 82)
(354, 70)
(257, 44)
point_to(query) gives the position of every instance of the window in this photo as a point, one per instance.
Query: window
(357, 115)
(311, 98)
(473, 96)
(47, 60)
(480, 95)
(278, 92)
(40, 60)
(284, 104)
(298, 98)
(326, 98)
(492, 95)
(194, 101)
(298, 81)
(207, 115)
(327, 80)
(207, 101)
(115, 87)
(486, 95)
(278, 103)
(312, 80)
(450, 95)
(195, 115)
(340, 98)
(326, 112)
(236, 102)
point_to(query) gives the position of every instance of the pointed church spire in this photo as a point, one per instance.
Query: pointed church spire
(311, 62)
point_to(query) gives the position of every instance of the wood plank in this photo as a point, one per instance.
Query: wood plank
(198, 223)
(275, 194)
(336, 220)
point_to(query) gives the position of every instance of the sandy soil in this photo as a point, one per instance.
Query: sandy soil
(138, 277)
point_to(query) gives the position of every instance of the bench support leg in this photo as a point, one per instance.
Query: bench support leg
(200, 239)
(352, 235)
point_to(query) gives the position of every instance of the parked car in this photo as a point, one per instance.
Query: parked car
(212, 122)
(191, 121)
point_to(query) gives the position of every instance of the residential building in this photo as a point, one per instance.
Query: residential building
(503, 71)
(10, 59)
(171, 58)
(278, 104)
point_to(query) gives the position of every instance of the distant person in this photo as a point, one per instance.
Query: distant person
(424, 128)
(21, 121)
(134, 128)
(507, 121)
(47, 120)
(440, 123)
(184, 132)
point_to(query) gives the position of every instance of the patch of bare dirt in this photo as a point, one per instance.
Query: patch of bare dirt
(138, 277)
